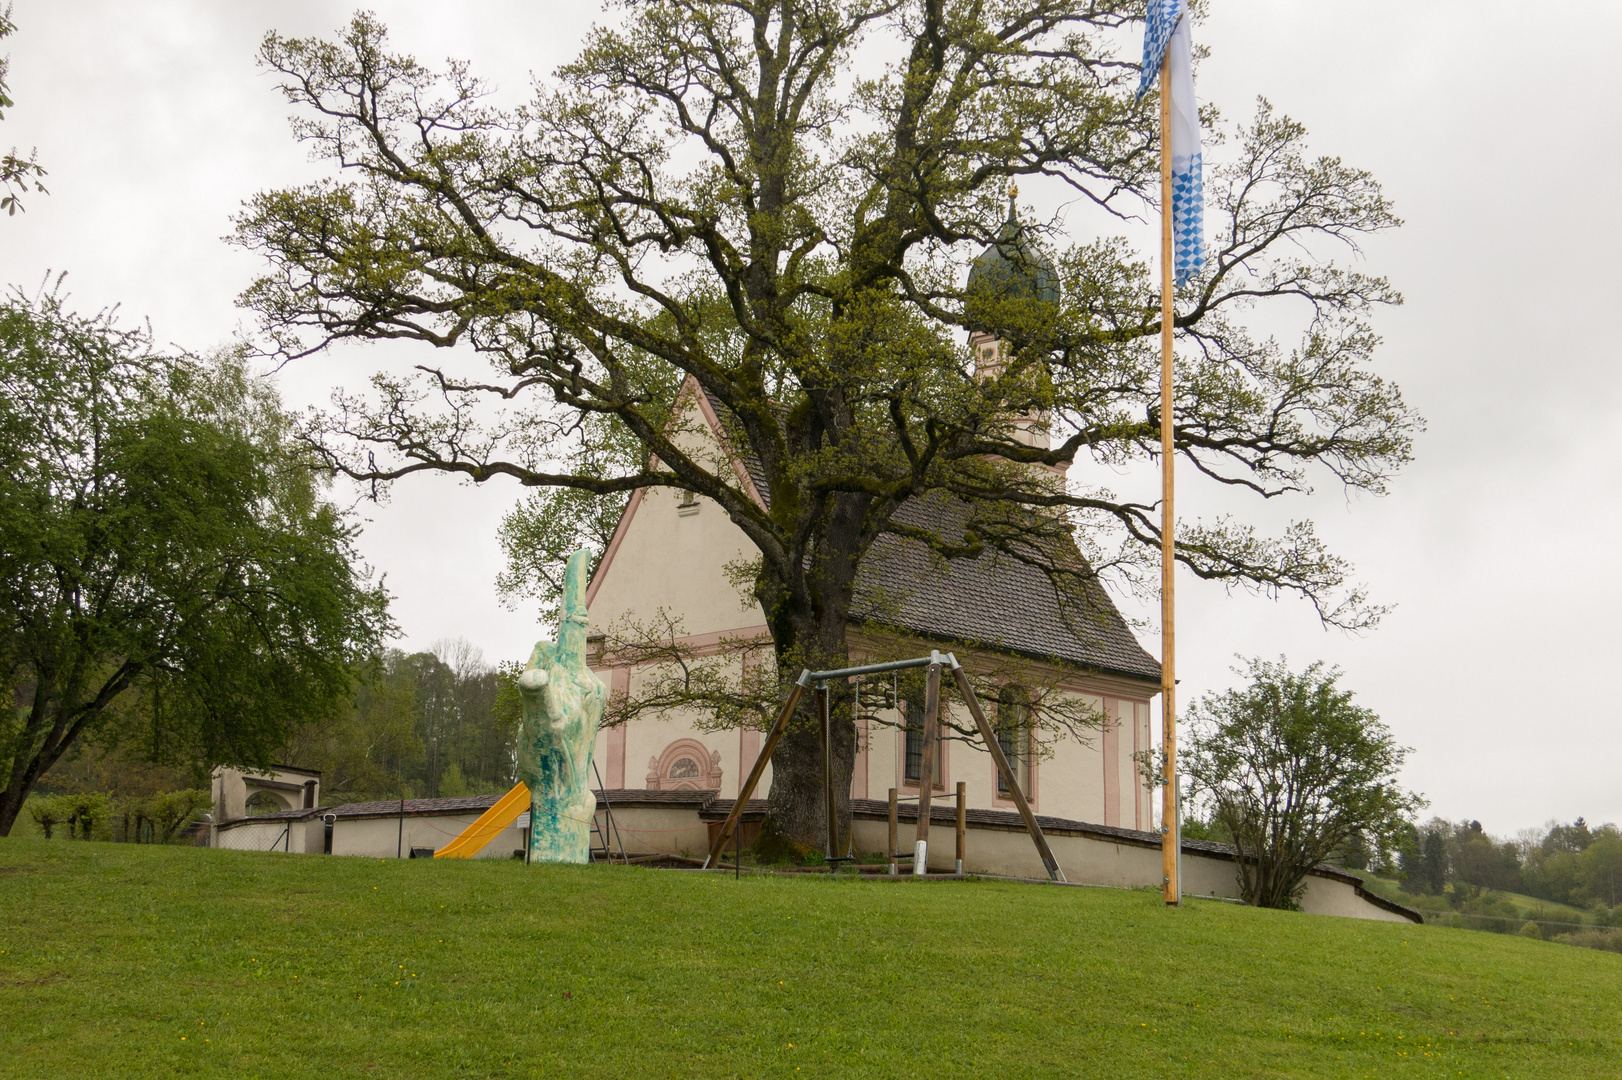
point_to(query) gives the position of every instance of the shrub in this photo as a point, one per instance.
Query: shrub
(47, 812)
(1608, 940)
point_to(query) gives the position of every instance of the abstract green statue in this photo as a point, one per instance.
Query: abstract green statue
(562, 703)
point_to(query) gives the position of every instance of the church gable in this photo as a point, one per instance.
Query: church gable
(671, 548)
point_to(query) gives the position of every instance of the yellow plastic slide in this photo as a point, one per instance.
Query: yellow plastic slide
(473, 839)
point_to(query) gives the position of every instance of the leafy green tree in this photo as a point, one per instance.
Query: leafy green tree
(365, 752)
(47, 812)
(1433, 869)
(1293, 770)
(84, 809)
(170, 579)
(418, 719)
(1600, 868)
(17, 173)
(777, 200)
(170, 811)
(1568, 839)
(1481, 861)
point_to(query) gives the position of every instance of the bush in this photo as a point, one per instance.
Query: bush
(47, 812)
(1608, 940)
(169, 811)
(1301, 734)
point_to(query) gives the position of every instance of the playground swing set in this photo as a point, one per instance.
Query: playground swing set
(507, 809)
(819, 682)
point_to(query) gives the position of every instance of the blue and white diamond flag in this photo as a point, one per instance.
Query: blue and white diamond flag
(1166, 40)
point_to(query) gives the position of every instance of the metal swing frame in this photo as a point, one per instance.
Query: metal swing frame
(819, 680)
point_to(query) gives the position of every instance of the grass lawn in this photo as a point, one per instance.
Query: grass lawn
(126, 961)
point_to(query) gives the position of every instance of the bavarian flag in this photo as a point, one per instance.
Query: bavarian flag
(1167, 48)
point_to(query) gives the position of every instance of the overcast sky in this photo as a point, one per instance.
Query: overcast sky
(1494, 133)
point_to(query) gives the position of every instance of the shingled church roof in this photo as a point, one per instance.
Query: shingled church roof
(995, 601)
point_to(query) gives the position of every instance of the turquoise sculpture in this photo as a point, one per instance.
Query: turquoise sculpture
(562, 705)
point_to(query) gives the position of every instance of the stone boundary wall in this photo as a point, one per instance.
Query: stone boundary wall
(682, 823)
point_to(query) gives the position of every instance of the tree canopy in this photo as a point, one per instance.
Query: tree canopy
(170, 577)
(436, 723)
(777, 201)
(1293, 771)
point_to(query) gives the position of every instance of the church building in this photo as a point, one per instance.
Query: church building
(668, 558)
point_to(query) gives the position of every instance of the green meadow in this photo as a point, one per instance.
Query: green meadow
(129, 961)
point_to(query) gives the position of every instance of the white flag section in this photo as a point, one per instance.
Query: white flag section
(1166, 38)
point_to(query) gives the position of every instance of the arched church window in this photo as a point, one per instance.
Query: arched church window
(686, 764)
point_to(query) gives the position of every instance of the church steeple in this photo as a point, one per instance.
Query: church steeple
(1011, 268)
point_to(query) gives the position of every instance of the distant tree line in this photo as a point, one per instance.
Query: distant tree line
(423, 725)
(1573, 863)
(417, 725)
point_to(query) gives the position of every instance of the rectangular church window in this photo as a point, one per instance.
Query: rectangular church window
(1014, 737)
(913, 758)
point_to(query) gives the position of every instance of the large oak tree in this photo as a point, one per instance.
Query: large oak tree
(778, 199)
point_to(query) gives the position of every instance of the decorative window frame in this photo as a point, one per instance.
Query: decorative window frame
(709, 763)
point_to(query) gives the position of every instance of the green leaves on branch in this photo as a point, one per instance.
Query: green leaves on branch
(1294, 772)
(779, 201)
(17, 173)
(170, 577)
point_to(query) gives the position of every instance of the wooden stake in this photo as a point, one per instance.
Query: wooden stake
(962, 822)
(772, 739)
(830, 812)
(926, 769)
(1007, 774)
(895, 863)
(1168, 518)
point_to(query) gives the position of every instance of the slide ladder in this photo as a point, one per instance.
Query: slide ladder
(473, 839)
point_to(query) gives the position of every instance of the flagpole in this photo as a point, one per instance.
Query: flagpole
(1170, 825)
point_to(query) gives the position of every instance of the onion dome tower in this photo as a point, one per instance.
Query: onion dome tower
(1011, 268)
